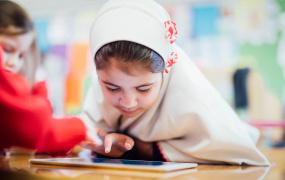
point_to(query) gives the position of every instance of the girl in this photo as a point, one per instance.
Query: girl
(26, 114)
(148, 96)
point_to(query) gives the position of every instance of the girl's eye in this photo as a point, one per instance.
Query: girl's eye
(22, 56)
(113, 90)
(8, 50)
(143, 90)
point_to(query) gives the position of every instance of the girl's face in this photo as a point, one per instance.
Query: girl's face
(130, 94)
(15, 48)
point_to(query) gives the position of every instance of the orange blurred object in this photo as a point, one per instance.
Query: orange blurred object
(78, 55)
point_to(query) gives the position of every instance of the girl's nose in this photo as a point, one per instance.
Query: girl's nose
(128, 101)
(12, 61)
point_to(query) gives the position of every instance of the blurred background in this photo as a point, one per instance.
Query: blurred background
(239, 45)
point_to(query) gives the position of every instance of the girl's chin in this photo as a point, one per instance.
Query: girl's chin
(130, 114)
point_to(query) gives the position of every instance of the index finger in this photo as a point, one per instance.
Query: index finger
(108, 143)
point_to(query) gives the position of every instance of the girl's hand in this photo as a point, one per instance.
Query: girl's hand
(115, 145)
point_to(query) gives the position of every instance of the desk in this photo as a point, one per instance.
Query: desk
(18, 167)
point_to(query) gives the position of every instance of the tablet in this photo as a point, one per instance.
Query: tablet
(77, 172)
(115, 164)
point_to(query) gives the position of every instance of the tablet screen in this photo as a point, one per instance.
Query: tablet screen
(115, 163)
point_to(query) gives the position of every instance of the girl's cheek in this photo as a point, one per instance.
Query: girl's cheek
(21, 64)
(4, 57)
(112, 99)
(4, 60)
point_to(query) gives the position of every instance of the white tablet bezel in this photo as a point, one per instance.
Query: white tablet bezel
(165, 167)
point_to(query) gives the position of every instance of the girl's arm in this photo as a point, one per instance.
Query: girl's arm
(148, 151)
(144, 150)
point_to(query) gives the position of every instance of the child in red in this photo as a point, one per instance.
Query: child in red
(26, 114)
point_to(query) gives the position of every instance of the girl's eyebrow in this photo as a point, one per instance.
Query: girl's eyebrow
(7, 45)
(143, 85)
(105, 82)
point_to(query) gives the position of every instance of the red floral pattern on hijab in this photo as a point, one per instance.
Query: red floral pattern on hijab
(171, 35)
(171, 31)
(173, 59)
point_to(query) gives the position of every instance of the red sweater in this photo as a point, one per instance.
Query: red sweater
(26, 118)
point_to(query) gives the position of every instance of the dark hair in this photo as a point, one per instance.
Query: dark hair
(13, 16)
(127, 52)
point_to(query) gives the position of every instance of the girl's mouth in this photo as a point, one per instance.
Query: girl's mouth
(128, 111)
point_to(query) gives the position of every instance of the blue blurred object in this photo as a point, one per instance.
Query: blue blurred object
(240, 89)
(41, 27)
(205, 21)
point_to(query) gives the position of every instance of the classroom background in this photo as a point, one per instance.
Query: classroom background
(239, 45)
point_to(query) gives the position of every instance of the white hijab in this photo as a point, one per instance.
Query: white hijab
(190, 121)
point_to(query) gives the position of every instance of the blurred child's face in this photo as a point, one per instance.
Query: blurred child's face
(15, 48)
(130, 94)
